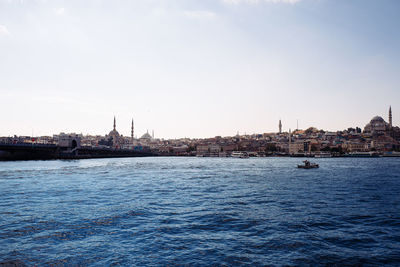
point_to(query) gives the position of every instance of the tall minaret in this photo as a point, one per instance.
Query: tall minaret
(114, 123)
(390, 116)
(280, 126)
(132, 132)
(290, 140)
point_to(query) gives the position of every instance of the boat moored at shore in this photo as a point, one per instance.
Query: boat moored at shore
(362, 155)
(323, 155)
(239, 154)
(391, 154)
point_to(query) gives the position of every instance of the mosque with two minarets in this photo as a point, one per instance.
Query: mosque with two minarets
(115, 140)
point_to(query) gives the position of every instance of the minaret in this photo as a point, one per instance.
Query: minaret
(114, 123)
(290, 140)
(132, 132)
(152, 134)
(390, 116)
(280, 126)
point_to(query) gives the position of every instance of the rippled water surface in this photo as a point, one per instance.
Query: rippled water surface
(200, 211)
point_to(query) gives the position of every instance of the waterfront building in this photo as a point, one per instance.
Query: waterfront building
(355, 146)
(296, 147)
(229, 147)
(209, 150)
(201, 149)
(91, 140)
(45, 140)
(180, 150)
(69, 140)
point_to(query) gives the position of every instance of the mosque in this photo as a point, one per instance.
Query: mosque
(378, 126)
(146, 137)
(114, 134)
(116, 140)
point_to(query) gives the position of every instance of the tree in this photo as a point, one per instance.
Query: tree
(310, 130)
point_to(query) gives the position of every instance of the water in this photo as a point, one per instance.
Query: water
(200, 211)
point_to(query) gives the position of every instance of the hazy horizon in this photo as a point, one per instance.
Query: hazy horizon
(197, 69)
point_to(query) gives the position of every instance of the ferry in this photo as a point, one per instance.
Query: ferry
(239, 154)
(391, 154)
(323, 155)
(363, 155)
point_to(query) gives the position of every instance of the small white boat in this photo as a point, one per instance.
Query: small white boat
(239, 154)
(323, 155)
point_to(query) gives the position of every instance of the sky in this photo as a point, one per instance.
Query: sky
(190, 68)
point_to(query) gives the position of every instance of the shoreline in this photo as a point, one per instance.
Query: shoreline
(12, 152)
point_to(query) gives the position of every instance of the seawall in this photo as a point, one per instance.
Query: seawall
(47, 152)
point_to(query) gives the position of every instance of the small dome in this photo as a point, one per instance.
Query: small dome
(146, 136)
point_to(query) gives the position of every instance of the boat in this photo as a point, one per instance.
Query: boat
(363, 155)
(239, 154)
(391, 154)
(323, 155)
(298, 154)
(308, 165)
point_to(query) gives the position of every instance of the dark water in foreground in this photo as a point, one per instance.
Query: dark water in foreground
(199, 211)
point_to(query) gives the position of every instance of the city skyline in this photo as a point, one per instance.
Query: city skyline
(134, 136)
(190, 69)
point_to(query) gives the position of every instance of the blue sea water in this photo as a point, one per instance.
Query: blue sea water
(200, 211)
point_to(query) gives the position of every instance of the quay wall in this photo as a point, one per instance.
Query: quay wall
(9, 152)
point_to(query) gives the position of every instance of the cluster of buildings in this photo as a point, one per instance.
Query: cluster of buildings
(377, 136)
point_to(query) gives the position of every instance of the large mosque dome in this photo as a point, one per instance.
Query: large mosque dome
(114, 133)
(376, 125)
(377, 119)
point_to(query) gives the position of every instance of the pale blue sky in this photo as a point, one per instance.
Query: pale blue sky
(190, 68)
